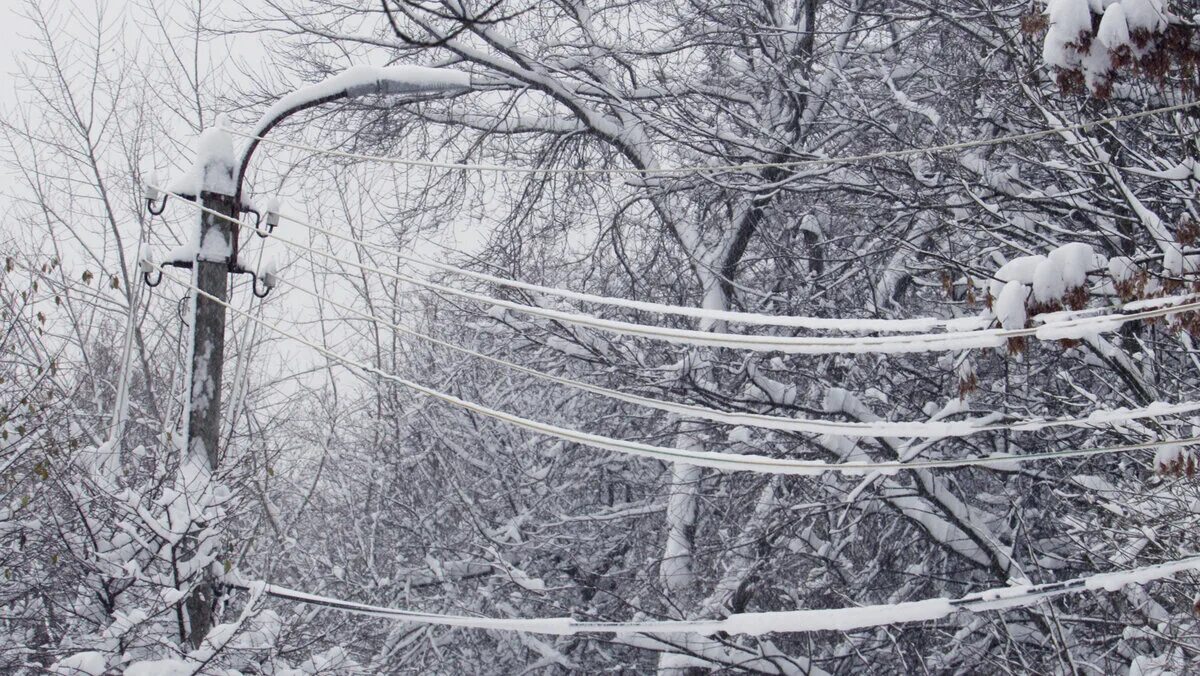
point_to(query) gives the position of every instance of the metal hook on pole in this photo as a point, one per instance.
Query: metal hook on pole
(153, 195)
(258, 219)
(262, 282)
(181, 310)
(270, 220)
(156, 211)
(266, 286)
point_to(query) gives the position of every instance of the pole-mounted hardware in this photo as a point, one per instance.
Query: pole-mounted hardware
(153, 194)
(262, 282)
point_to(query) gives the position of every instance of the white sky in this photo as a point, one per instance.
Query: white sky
(12, 26)
(10, 42)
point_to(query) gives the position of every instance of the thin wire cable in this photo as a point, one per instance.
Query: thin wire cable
(816, 323)
(925, 342)
(721, 168)
(794, 621)
(714, 460)
(846, 325)
(931, 429)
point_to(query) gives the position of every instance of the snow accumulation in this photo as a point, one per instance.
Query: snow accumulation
(1173, 262)
(163, 667)
(1071, 26)
(81, 664)
(1020, 269)
(1072, 262)
(1121, 268)
(1150, 15)
(1048, 282)
(213, 169)
(1068, 20)
(1009, 305)
(1050, 279)
(149, 258)
(1170, 455)
(1078, 331)
(1114, 30)
(365, 80)
(1051, 276)
(757, 624)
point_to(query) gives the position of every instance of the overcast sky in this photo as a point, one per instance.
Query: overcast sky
(10, 41)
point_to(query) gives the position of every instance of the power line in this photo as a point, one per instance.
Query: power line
(926, 342)
(755, 624)
(817, 323)
(815, 426)
(714, 460)
(720, 168)
(843, 324)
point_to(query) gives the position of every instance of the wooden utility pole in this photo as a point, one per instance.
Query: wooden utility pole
(210, 274)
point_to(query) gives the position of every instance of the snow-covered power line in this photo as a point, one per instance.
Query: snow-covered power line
(922, 342)
(842, 324)
(859, 325)
(929, 429)
(723, 168)
(755, 624)
(711, 459)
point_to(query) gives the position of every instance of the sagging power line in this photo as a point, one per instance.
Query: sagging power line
(883, 428)
(714, 460)
(793, 621)
(841, 324)
(927, 342)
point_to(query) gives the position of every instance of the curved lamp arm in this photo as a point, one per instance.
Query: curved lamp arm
(352, 83)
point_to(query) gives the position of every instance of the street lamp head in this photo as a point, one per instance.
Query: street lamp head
(395, 80)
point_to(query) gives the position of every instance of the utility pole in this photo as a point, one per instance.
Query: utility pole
(215, 181)
(210, 275)
(211, 256)
(208, 329)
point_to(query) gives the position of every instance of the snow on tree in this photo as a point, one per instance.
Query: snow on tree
(345, 484)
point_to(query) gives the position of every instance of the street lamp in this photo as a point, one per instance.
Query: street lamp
(216, 180)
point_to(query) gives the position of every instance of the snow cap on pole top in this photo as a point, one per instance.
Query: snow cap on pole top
(215, 165)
